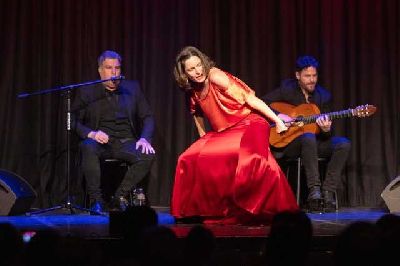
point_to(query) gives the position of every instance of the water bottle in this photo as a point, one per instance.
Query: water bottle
(139, 197)
(123, 203)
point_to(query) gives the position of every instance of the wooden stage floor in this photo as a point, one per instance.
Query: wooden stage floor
(85, 225)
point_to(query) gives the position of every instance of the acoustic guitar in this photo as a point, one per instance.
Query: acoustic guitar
(304, 118)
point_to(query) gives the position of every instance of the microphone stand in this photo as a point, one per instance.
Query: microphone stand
(67, 89)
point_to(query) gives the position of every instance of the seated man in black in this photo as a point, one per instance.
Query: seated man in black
(114, 120)
(308, 146)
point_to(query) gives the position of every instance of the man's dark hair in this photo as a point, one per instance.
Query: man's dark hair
(305, 61)
(108, 54)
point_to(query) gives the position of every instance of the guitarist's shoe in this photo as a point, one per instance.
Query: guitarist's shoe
(314, 200)
(329, 201)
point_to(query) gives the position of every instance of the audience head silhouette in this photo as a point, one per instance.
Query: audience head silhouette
(357, 244)
(10, 244)
(199, 246)
(289, 239)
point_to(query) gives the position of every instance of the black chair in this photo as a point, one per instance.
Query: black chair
(288, 163)
(112, 172)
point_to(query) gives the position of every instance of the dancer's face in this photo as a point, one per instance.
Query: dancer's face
(194, 69)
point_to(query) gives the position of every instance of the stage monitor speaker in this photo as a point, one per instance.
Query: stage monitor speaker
(16, 195)
(391, 195)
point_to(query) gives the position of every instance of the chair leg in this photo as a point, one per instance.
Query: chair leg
(298, 180)
(298, 161)
(336, 200)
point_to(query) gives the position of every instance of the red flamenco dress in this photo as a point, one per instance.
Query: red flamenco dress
(229, 175)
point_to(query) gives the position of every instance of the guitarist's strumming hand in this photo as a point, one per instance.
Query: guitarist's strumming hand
(285, 118)
(324, 123)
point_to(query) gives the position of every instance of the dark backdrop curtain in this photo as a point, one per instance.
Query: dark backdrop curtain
(52, 43)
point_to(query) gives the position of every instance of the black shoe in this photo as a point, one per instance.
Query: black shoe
(97, 208)
(329, 201)
(314, 200)
(119, 203)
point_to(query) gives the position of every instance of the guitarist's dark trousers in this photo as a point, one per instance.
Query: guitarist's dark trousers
(309, 148)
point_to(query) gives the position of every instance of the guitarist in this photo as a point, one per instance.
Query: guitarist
(309, 146)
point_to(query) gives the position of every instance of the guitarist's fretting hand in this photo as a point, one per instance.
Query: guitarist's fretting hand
(324, 123)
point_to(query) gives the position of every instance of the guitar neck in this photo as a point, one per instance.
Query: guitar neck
(332, 115)
(308, 114)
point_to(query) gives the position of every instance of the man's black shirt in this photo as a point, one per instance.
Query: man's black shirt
(114, 119)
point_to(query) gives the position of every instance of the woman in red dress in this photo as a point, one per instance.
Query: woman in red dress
(229, 175)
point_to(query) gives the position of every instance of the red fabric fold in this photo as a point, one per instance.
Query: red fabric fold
(231, 177)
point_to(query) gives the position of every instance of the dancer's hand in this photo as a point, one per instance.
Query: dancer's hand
(280, 126)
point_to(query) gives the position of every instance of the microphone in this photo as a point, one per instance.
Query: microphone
(117, 78)
(23, 95)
